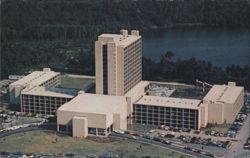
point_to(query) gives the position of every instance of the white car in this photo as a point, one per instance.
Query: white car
(119, 131)
(162, 134)
(239, 123)
(167, 128)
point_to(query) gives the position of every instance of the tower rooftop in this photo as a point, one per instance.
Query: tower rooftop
(123, 39)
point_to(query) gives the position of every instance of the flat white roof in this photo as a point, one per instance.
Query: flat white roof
(169, 102)
(36, 78)
(95, 103)
(52, 92)
(119, 39)
(140, 85)
(171, 84)
(223, 93)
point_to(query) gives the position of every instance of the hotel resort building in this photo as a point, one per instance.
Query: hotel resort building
(122, 97)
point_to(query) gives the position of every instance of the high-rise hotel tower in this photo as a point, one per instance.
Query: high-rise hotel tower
(118, 62)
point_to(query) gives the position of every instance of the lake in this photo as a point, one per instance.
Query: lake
(220, 46)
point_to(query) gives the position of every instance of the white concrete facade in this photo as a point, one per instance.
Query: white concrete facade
(135, 94)
(80, 127)
(118, 62)
(173, 112)
(99, 112)
(45, 100)
(224, 103)
(46, 78)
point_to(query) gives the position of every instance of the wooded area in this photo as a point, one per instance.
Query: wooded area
(60, 34)
(187, 71)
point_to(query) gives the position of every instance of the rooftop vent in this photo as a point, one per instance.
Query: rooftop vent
(124, 32)
(231, 84)
(135, 32)
(81, 92)
(46, 70)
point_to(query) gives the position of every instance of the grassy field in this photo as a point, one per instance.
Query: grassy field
(49, 142)
(76, 82)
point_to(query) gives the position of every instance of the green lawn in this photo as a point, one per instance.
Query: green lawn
(49, 142)
(76, 82)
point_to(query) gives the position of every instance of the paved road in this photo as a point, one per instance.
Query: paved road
(211, 149)
(173, 146)
(27, 129)
(20, 130)
(236, 150)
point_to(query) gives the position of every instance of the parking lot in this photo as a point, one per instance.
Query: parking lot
(163, 141)
(192, 140)
(237, 150)
(240, 149)
(9, 119)
(224, 140)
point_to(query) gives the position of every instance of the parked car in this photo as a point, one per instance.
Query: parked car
(169, 136)
(221, 134)
(248, 140)
(167, 142)
(212, 133)
(126, 132)
(157, 139)
(246, 146)
(197, 132)
(3, 153)
(188, 148)
(119, 131)
(135, 134)
(186, 130)
(146, 136)
(162, 134)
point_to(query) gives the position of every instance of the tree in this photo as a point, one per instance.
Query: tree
(167, 56)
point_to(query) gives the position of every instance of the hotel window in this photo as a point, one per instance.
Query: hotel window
(101, 131)
(62, 128)
(92, 130)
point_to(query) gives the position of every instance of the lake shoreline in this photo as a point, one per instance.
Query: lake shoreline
(221, 46)
(191, 25)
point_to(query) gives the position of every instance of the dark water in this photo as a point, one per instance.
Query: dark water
(220, 46)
